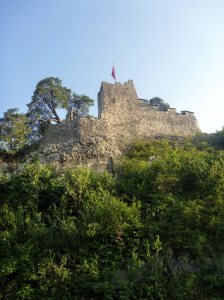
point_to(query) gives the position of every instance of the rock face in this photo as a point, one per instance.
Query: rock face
(123, 117)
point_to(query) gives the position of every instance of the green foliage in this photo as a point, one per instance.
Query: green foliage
(48, 96)
(160, 102)
(79, 105)
(163, 168)
(14, 131)
(155, 231)
(206, 140)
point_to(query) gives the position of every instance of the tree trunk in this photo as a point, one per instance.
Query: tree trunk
(57, 118)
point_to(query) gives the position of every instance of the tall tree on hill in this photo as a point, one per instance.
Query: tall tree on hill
(48, 96)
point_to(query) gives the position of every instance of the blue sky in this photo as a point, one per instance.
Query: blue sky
(172, 49)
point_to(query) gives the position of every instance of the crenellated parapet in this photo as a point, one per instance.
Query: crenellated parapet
(119, 104)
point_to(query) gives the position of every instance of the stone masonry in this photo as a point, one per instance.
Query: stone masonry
(123, 117)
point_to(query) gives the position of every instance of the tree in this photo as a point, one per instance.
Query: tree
(215, 139)
(48, 96)
(14, 131)
(79, 105)
(160, 102)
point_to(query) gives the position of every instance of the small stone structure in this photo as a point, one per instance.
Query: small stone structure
(123, 117)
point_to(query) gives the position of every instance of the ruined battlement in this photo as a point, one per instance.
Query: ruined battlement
(113, 97)
(122, 118)
(120, 105)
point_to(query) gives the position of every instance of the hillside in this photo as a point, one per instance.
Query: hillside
(153, 231)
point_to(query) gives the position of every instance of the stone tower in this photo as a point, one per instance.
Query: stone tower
(112, 94)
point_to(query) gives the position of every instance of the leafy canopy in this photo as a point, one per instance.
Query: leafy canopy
(48, 96)
(79, 105)
(14, 131)
(160, 102)
(204, 140)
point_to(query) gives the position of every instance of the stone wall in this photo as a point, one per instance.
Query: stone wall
(95, 142)
(136, 117)
(85, 141)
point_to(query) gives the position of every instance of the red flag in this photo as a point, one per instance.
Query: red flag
(113, 73)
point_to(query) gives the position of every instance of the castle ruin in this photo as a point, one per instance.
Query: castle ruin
(122, 118)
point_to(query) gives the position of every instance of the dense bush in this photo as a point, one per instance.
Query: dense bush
(204, 140)
(155, 231)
